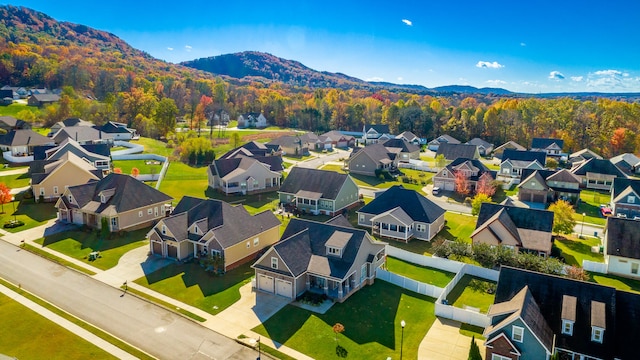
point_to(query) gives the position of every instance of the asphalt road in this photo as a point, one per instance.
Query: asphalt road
(157, 331)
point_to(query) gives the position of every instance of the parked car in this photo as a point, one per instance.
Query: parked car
(435, 191)
(605, 211)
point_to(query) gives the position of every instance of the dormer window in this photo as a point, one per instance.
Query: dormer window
(567, 327)
(597, 334)
(164, 230)
(568, 314)
(103, 199)
(333, 251)
(274, 263)
(598, 321)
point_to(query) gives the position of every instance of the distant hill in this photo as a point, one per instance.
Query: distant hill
(465, 89)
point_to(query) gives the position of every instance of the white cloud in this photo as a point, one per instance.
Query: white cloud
(556, 75)
(170, 48)
(400, 78)
(407, 22)
(489, 65)
(188, 48)
(608, 73)
(612, 80)
(523, 44)
(375, 78)
(496, 82)
(577, 78)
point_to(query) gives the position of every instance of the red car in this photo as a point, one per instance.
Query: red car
(605, 211)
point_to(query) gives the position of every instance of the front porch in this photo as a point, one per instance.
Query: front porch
(338, 290)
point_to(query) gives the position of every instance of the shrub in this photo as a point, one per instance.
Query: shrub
(13, 224)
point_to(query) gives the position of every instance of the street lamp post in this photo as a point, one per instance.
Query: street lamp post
(402, 324)
(582, 226)
(254, 342)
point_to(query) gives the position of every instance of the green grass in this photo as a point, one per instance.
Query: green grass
(99, 333)
(369, 181)
(44, 336)
(189, 283)
(471, 291)
(420, 273)
(471, 330)
(152, 146)
(78, 244)
(42, 131)
(575, 250)
(182, 171)
(2, 168)
(617, 282)
(15, 108)
(15, 181)
(127, 165)
(38, 251)
(415, 246)
(26, 210)
(165, 304)
(182, 179)
(458, 226)
(590, 201)
(371, 332)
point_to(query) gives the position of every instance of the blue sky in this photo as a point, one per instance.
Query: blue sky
(530, 46)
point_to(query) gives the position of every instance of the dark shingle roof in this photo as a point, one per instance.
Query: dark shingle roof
(418, 207)
(550, 175)
(376, 151)
(24, 138)
(454, 151)
(543, 143)
(620, 184)
(523, 218)
(46, 97)
(482, 169)
(379, 128)
(114, 128)
(222, 167)
(480, 142)
(401, 144)
(599, 166)
(327, 183)
(80, 133)
(530, 156)
(623, 237)
(447, 139)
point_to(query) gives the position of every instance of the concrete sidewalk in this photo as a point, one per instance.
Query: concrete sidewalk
(444, 342)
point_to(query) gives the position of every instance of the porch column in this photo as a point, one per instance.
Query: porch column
(307, 283)
(406, 228)
(340, 293)
(195, 250)
(347, 287)
(326, 286)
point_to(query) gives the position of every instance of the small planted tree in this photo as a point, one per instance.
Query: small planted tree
(338, 329)
(462, 183)
(486, 185)
(474, 350)
(117, 170)
(477, 201)
(135, 172)
(440, 161)
(5, 195)
(563, 220)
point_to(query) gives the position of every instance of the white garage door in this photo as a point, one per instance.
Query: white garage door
(265, 283)
(283, 288)
(439, 184)
(449, 186)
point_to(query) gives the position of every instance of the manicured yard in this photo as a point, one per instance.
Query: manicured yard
(617, 282)
(421, 179)
(371, 332)
(181, 171)
(182, 179)
(152, 146)
(27, 335)
(423, 274)
(414, 246)
(189, 283)
(78, 244)
(15, 108)
(575, 250)
(472, 291)
(26, 210)
(590, 201)
(15, 181)
(144, 166)
(458, 226)
(253, 203)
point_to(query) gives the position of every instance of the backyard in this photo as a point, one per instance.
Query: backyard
(424, 274)
(473, 292)
(189, 283)
(590, 201)
(369, 331)
(144, 166)
(617, 282)
(182, 179)
(15, 181)
(417, 179)
(79, 244)
(575, 250)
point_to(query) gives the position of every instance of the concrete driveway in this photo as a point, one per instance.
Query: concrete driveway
(444, 342)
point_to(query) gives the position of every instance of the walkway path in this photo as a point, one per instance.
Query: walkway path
(22, 170)
(444, 342)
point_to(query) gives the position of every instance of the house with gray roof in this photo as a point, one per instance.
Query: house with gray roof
(597, 173)
(208, 228)
(253, 149)
(628, 163)
(625, 197)
(318, 191)
(42, 99)
(548, 186)
(340, 140)
(50, 177)
(553, 147)
(316, 142)
(402, 214)
(290, 145)
(516, 228)
(125, 202)
(98, 155)
(622, 247)
(474, 170)
(372, 159)
(20, 143)
(535, 315)
(318, 257)
(484, 147)
(252, 120)
(403, 149)
(83, 135)
(69, 122)
(455, 151)
(514, 161)
(409, 137)
(119, 131)
(434, 144)
(583, 155)
(9, 123)
(372, 133)
(245, 175)
(512, 145)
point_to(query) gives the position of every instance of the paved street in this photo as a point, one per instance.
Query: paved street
(322, 159)
(144, 325)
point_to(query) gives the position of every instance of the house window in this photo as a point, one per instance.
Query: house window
(164, 230)
(149, 211)
(385, 226)
(361, 218)
(421, 227)
(393, 227)
(155, 211)
(631, 199)
(567, 327)
(506, 171)
(256, 241)
(444, 172)
(597, 334)
(248, 244)
(70, 198)
(140, 213)
(499, 357)
(274, 263)
(402, 229)
(55, 190)
(517, 333)
(333, 251)
(114, 222)
(634, 268)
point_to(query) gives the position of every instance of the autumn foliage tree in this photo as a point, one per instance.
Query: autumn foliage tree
(563, 220)
(135, 172)
(462, 185)
(623, 141)
(117, 170)
(485, 185)
(5, 195)
(200, 115)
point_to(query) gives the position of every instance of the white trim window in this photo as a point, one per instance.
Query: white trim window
(517, 333)
(256, 241)
(149, 211)
(499, 357)
(274, 263)
(55, 190)
(597, 334)
(567, 327)
(421, 227)
(140, 213)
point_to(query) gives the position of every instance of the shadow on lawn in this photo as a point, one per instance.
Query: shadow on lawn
(573, 245)
(93, 240)
(37, 212)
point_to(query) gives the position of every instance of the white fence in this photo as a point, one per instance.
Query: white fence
(409, 284)
(162, 173)
(151, 157)
(434, 262)
(417, 165)
(16, 159)
(130, 149)
(595, 266)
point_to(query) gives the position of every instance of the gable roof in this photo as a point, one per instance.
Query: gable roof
(46, 97)
(112, 127)
(80, 133)
(335, 135)
(327, 183)
(224, 167)
(445, 139)
(40, 170)
(621, 184)
(623, 237)
(474, 164)
(418, 207)
(562, 175)
(454, 151)
(25, 137)
(408, 135)
(529, 156)
(287, 141)
(377, 152)
(543, 143)
(14, 123)
(523, 218)
(585, 154)
(46, 152)
(402, 144)
(379, 128)
(480, 142)
(510, 145)
(627, 162)
(598, 166)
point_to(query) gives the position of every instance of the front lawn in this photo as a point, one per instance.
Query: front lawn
(472, 291)
(590, 201)
(144, 166)
(27, 335)
(370, 332)
(617, 282)
(420, 273)
(190, 284)
(26, 210)
(15, 181)
(79, 244)
(575, 250)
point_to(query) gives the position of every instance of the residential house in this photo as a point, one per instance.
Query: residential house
(371, 133)
(118, 130)
(18, 91)
(340, 140)
(42, 99)
(520, 229)
(316, 142)
(49, 178)
(70, 122)
(597, 173)
(402, 214)
(473, 169)
(371, 159)
(403, 149)
(290, 145)
(548, 186)
(318, 191)
(245, 175)
(409, 137)
(324, 258)
(553, 147)
(625, 198)
(9, 95)
(509, 145)
(628, 163)
(22, 142)
(535, 315)
(514, 161)
(484, 147)
(6, 101)
(83, 135)
(622, 247)
(253, 149)
(252, 120)
(96, 155)
(213, 228)
(125, 202)
(455, 151)
(434, 144)
(8, 123)
(583, 155)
